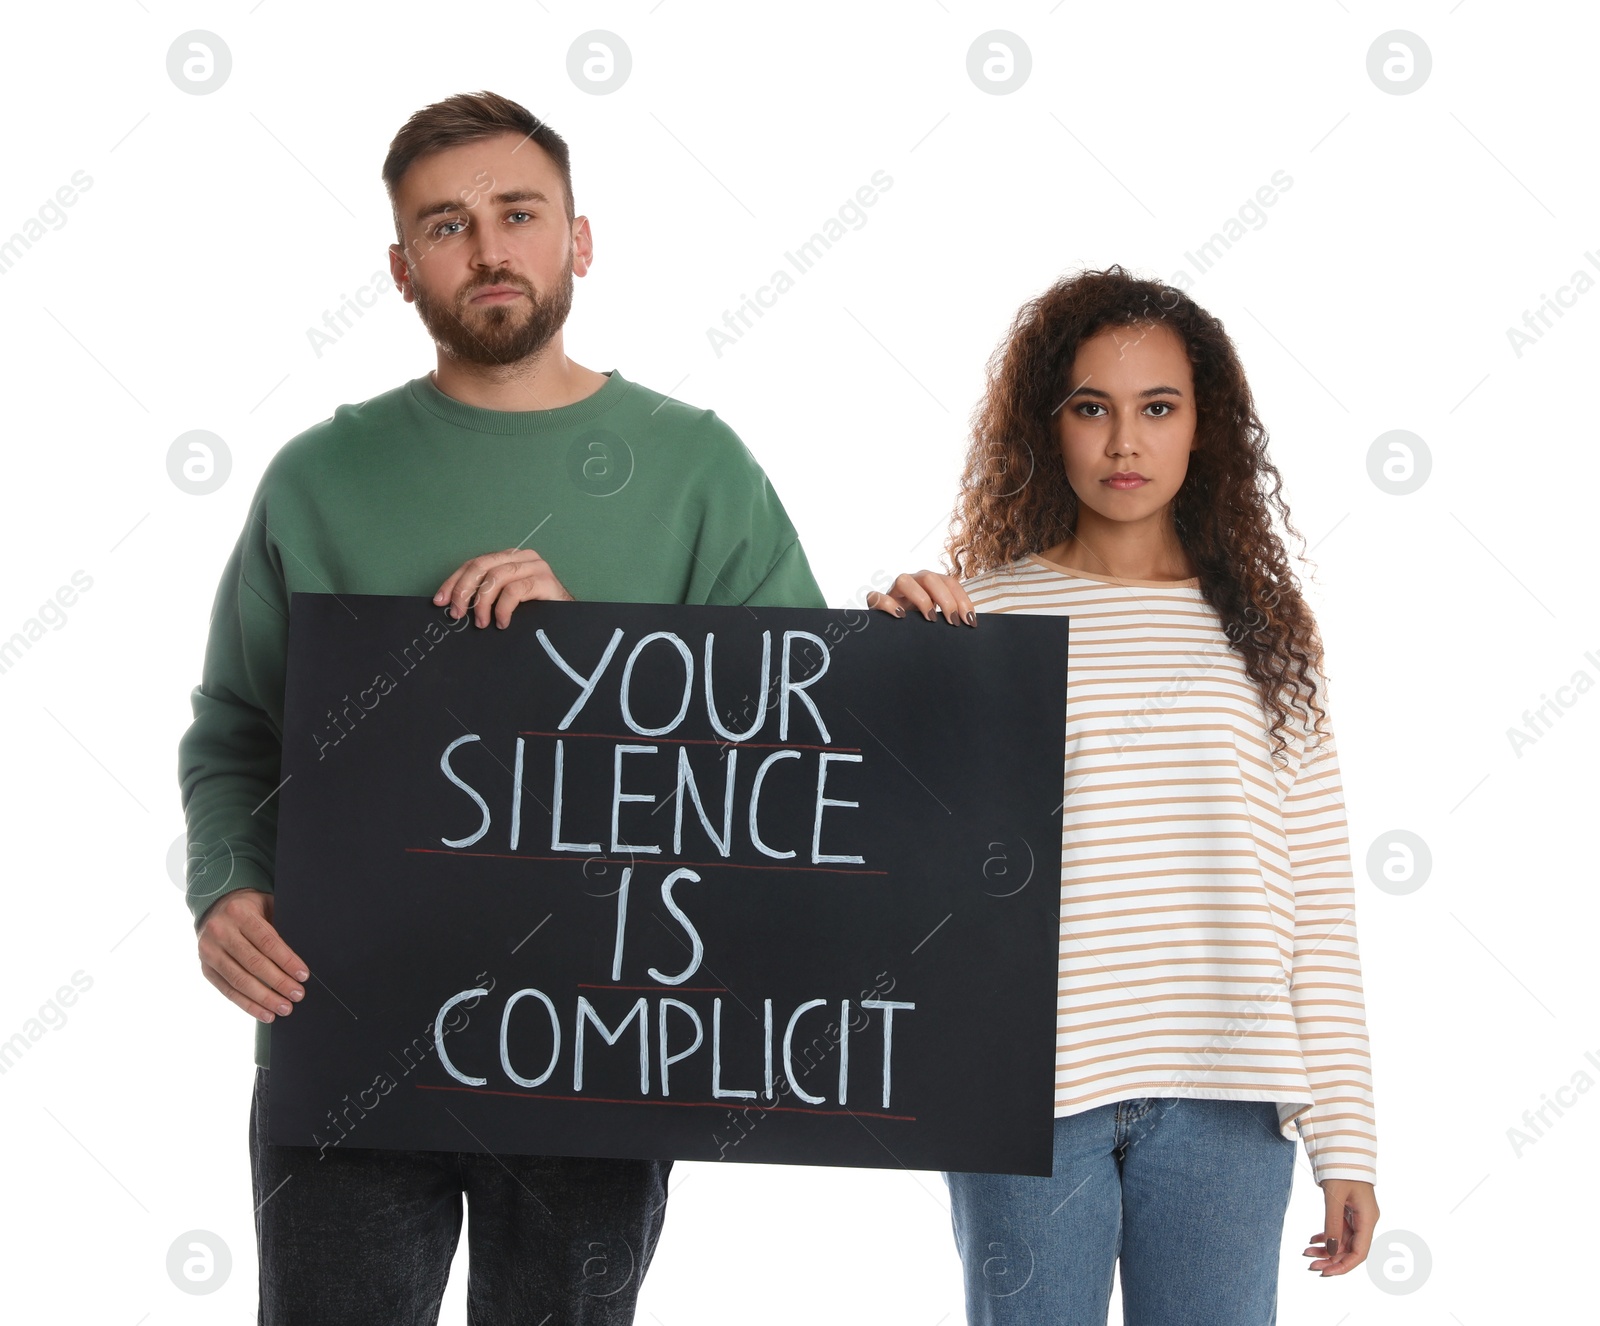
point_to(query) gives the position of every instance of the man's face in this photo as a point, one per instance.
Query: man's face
(489, 257)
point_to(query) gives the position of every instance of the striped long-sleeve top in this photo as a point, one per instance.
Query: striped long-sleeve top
(1208, 937)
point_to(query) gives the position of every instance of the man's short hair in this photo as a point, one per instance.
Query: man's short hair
(466, 118)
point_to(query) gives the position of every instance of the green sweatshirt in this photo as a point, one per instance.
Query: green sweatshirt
(629, 495)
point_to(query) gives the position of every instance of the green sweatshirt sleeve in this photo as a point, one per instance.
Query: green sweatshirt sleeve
(229, 757)
(747, 542)
(789, 584)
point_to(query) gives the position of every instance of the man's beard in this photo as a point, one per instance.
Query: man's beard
(496, 334)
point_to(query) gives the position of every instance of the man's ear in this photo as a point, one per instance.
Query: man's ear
(582, 246)
(399, 272)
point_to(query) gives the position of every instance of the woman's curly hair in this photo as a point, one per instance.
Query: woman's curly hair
(1015, 499)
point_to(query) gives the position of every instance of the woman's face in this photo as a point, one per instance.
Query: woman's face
(1127, 428)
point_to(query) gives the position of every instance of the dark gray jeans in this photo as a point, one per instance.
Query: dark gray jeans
(364, 1237)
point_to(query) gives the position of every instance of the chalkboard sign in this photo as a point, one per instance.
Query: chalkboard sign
(707, 883)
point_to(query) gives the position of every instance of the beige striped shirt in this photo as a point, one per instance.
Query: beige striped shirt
(1208, 939)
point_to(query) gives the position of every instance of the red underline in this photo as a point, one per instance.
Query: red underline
(694, 741)
(681, 1104)
(648, 858)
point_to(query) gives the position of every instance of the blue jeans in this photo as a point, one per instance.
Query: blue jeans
(1189, 1194)
(364, 1237)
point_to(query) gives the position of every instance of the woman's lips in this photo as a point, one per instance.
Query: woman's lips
(1128, 480)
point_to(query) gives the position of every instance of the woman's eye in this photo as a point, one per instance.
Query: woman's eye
(1089, 405)
(1164, 406)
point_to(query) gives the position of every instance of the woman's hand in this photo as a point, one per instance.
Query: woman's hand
(923, 592)
(1346, 1235)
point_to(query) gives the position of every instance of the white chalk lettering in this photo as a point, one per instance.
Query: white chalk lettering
(438, 1038)
(622, 922)
(686, 780)
(788, 1056)
(483, 806)
(586, 1013)
(788, 686)
(618, 796)
(627, 684)
(761, 692)
(766, 1018)
(688, 926)
(844, 1049)
(667, 1060)
(717, 1091)
(555, 1038)
(817, 854)
(888, 1006)
(556, 845)
(516, 797)
(586, 684)
(755, 801)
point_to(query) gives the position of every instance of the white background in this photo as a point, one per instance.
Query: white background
(1377, 296)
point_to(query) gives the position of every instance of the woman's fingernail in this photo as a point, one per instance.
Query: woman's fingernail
(971, 618)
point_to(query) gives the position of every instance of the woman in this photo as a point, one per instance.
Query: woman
(1210, 1004)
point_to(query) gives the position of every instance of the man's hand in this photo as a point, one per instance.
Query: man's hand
(496, 582)
(1351, 1218)
(923, 592)
(244, 957)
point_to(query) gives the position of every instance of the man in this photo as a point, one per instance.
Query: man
(627, 495)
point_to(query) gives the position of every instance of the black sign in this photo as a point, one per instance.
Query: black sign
(679, 882)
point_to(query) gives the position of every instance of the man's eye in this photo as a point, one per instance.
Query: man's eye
(520, 212)
(440, 228)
